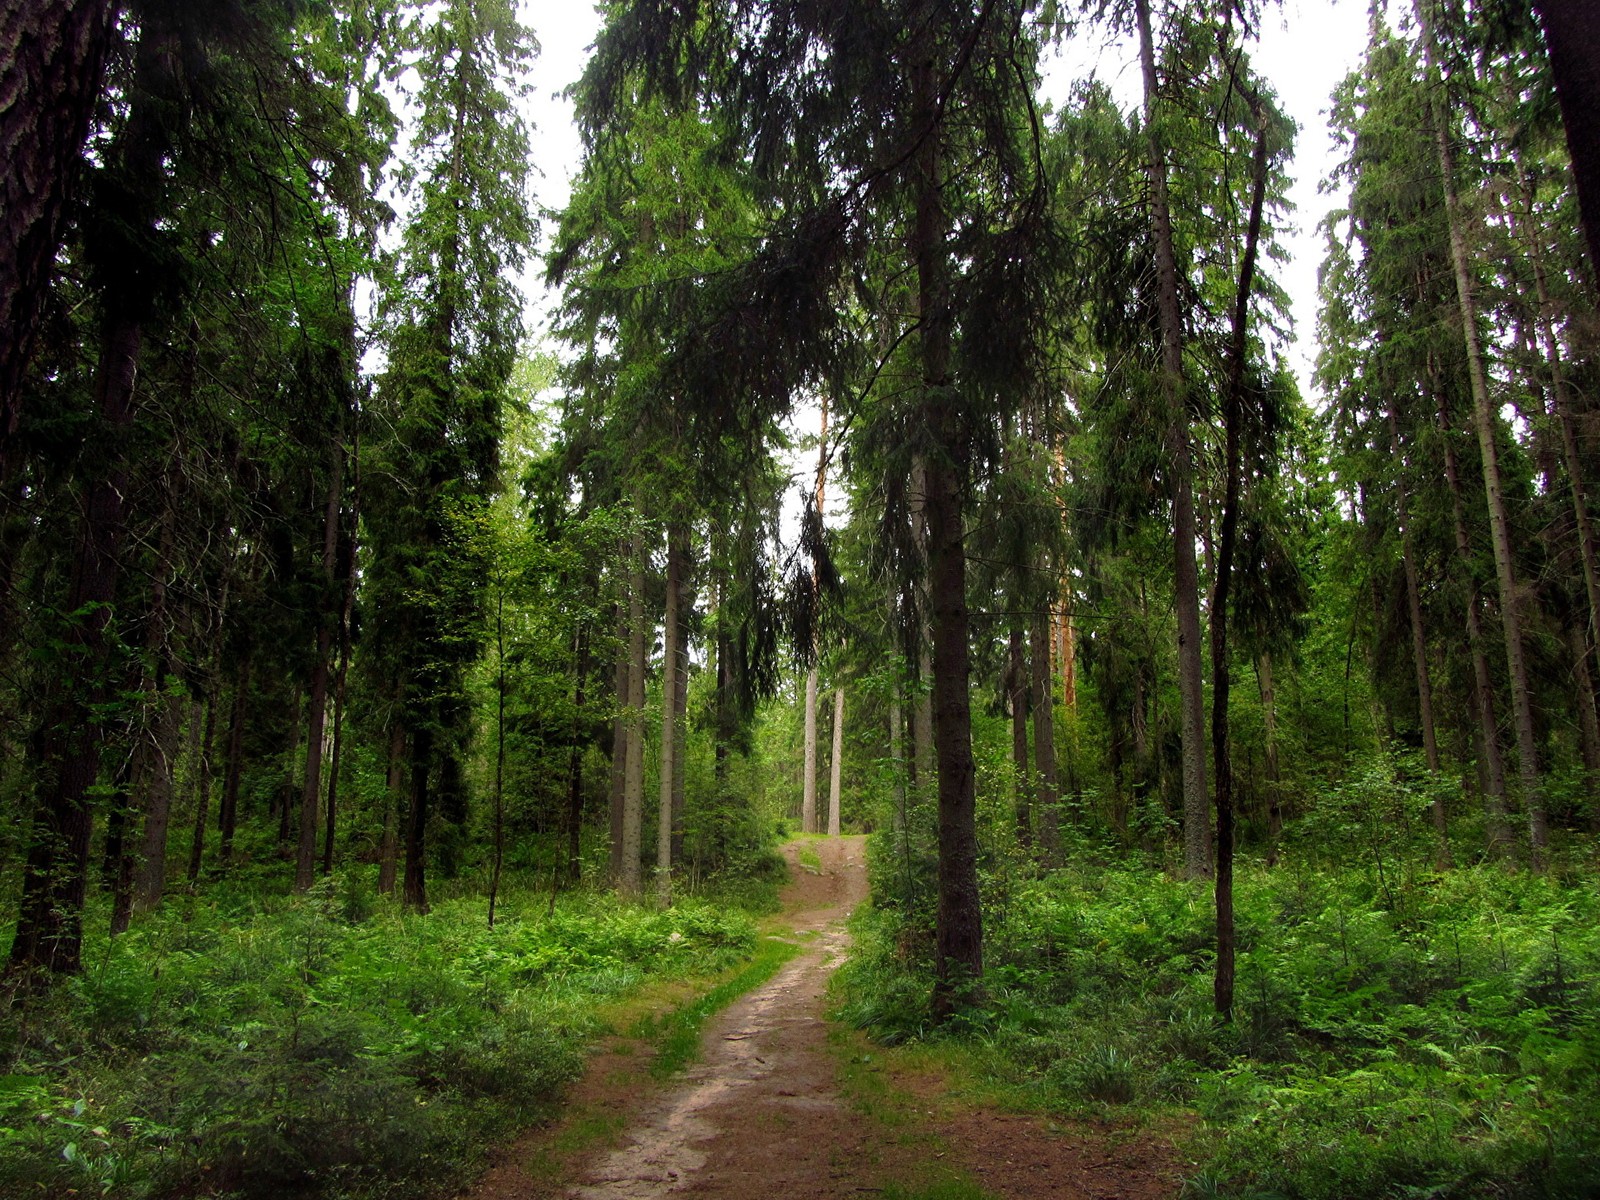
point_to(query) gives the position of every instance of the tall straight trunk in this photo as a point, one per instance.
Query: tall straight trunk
(1048, 795)
(414, 886)
(156, 782)
(836, 763)
(202, 785)
(393, 800)
(808, 779)
(630, 882)
(499, 749)
(284, 797)
(897, 756)
(1186, 573)
(1269, 713)
(619, 746)
(52, 63)
(1021, 770)
(669, 719)
(681, 700)
(1419, 643)
(959, 919)
(228, 810)
(575, 759)
(1221, 672)
(1583, 693)
(1572, 37)
(1486, 421)
(1494, 771)
(922, 758)
(119, 867)
(305, 863)
(346, 636)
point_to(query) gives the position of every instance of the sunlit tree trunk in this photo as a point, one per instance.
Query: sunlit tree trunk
(836, 763)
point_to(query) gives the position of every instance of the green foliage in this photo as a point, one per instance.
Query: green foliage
(1399, 1032)
(288, 1049)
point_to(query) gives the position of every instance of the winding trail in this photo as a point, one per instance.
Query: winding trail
(767, 1112)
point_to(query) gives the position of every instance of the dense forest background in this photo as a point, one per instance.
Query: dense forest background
(1223, 750)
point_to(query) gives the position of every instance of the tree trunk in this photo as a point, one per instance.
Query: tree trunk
(1186, 574)
(499, 748)
(155, 781)
(1269, 712)
(1048, 797)
(575, 761)
(1494, 771)
(1419, 644)
(202, 786)
(1021, 770)
(393, 798)
(836, 763)
(681, 700)
(669, 720)
(808, 782)
(1486, 421)
(631, 883)
(414, 887)
(619, 747)
(1572, 37)
(52, 65)
(228, 811)
(305, 866)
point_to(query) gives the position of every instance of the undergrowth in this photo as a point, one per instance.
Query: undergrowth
(1398, 1032)
(324, 1046)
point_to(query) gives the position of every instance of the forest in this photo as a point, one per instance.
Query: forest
(402, 696)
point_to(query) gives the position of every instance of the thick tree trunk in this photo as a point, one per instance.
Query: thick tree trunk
(1048, 796)
(305, 865)
(52, 65)
(1021, 769)
(1486, 422)
(836, 763)
(669, 721)
(1186, 574)
(1572, 37)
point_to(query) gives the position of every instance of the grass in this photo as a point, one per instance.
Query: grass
(677, 1034)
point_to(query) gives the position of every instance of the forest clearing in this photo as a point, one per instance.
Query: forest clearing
(840, 647)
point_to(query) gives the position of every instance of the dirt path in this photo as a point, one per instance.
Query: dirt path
(764, 1113)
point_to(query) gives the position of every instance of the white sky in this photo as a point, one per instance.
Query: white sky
(1306, 47)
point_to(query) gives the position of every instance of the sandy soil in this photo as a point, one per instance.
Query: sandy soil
(762, 1114)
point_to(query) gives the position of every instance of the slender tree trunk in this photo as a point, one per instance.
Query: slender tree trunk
(575, 760)
(681, 700)
(808, 781)
(393, 799)
(202, 786)
(1021, 770)
(669, 720)
(1221, 671)
(1186, 574)
(305, 867)
(1485, 420)
(499, 747)
(1419, 644)
(633, 782)
(1494, 772)
(619, 747)
(922, 757)
(228, 812)
(155, 781)
(1269, 711)
(1048, 796)
(836, 763)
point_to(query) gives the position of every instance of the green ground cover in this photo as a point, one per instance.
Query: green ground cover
(1399, 1032)
(326, 1046)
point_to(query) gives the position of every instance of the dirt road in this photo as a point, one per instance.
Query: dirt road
(764, 1114)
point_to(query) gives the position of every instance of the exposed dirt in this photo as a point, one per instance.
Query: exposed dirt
(763, 1114)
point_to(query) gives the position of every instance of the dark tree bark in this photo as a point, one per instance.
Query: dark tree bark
(1572, 37)
(1048, 794)
(228, 812)
(202, 788)
(575, 759)
(52, 66)
(305, 864)
(393, 798)
(619, 745)
(1021, 768)
(414, 892)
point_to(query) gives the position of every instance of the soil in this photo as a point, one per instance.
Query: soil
(765, 1114)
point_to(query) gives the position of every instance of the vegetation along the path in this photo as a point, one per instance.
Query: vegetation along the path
(436, 576)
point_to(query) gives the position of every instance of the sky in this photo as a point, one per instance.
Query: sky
(1306, 47)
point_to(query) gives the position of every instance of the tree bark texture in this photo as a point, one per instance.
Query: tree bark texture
(52, 66)
(669, 723)
(619, 747)
(1572, 37)
(1021, 769)
(305, 864)
(1186, 573)
(1048, 793)
(808, 779)
(836, 762)
(629, 878)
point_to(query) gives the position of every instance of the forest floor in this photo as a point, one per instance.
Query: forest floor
(781, 1102)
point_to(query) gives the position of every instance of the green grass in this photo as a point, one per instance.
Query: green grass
(678, 1033)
